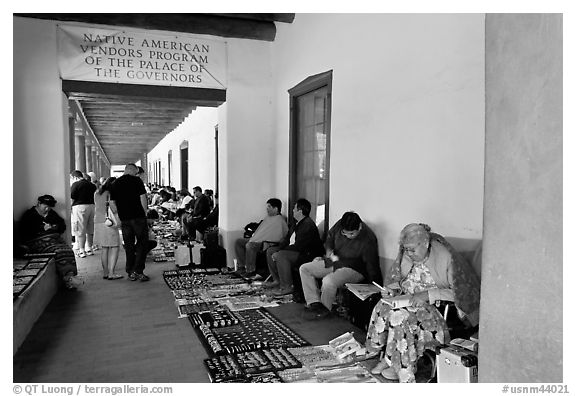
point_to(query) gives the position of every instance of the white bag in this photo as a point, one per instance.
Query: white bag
(196, 259)
(111, 219)
(182, 255)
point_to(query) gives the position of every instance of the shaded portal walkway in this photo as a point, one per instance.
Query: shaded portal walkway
(123, 331)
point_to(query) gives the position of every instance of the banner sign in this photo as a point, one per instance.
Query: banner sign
(120, 56)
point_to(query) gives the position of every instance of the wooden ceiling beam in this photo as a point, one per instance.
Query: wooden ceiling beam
(286, 18)
(155, 93)
(225, 25)
(143, 106)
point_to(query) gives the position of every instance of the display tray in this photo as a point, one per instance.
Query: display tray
(28, 272)
(214, 318)
(180, 279)
(206, 270)
(24, 273)
(195, 308)
(260, 321)
(251, 366)
(224, 369)
(298, 375)
(264, 378)
(40, 256)
(257, 329)
(315, 356)
(353, 373)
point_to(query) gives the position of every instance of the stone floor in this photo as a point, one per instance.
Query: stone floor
(123, 331)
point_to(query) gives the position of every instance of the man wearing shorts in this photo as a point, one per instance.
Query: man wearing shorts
(82, 194)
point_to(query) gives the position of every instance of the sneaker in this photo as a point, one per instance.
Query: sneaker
(379, 367)
(89, 253)
(73, 282)
(282, 291)
(317, 311)
(133, 276)
(82, 254)
(298, 298)
(270, 285)
(255, 277)
(143, 277)
(390, 374)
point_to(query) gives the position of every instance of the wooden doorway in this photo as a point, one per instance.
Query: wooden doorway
(184, 165)
(310, 109)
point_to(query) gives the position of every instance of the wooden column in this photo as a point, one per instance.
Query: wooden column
(88, 150)
(94, 158)
(80, 151)
(72, 141)
(144, 165)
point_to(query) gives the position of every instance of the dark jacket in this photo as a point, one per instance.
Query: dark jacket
(360, 253)
(32, 224)
(201, 206)
(307, 242)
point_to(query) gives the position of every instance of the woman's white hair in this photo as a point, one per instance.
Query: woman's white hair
(414, 233)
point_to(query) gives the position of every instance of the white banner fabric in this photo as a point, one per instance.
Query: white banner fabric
(129, 57)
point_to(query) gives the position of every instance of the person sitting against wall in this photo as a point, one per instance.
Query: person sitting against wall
(184, 200)
(211, 220)
(271, 230)
(167, 204)
(300, 245)
(194, 215)
(427, 270)
(210, 194)
(151, 218)
(351, 257)
(41, 232)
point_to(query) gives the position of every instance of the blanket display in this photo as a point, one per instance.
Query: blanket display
(246, 343)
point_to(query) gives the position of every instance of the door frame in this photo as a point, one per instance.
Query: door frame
(309, 84)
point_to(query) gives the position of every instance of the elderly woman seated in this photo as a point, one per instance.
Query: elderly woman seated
(41, 231)
(426, 271)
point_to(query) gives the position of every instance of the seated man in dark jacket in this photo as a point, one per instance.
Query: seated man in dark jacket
(192, 218)
(351, 257)
(300, 245)
(41, 232)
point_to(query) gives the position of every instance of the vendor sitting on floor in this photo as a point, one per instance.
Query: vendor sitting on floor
(271, 230)
(300, 245)
(41, 231)
(351, 257)
(151, 218)
(428, 270)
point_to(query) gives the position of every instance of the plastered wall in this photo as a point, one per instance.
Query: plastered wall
(407, 131)
(521, 307)
(198, 130)
(246, 137)
(40, 119)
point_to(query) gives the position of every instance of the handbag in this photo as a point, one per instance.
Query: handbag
(110, 218)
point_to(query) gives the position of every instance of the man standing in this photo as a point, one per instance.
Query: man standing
(351, 256)
(301, 245)
(272, 229)
(82, 194)
(128, 199)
